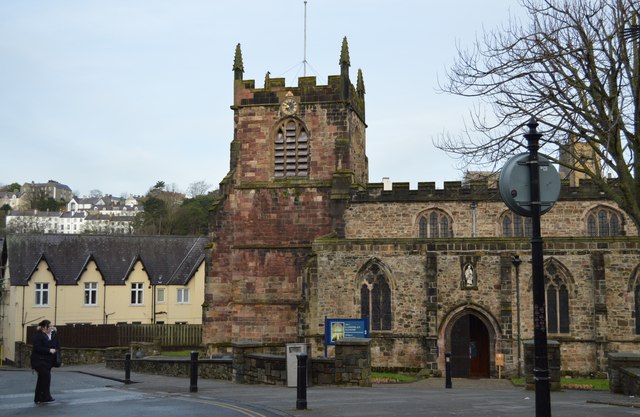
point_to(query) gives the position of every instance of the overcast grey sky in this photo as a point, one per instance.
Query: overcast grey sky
(116, 95)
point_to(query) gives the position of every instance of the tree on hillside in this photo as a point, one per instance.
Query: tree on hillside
(41, 201)
(3, 217)
(574, 66)
(154, 218)
(192, 218)
(13, 187)
(27, 224)
(95, 193)
(197, 188)
(159, 186)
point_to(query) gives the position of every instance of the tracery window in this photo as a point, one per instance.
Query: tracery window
(557, 293)
(291, 150)
(434, 224)
(603, 222)
(514, 225)
(375, 297)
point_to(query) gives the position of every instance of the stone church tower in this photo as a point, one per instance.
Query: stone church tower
(296, 155)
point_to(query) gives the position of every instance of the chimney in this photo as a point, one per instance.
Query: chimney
(386, 184)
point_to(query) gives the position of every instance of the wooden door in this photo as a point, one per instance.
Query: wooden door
(460, 363)
(469, 348)
(478, 348)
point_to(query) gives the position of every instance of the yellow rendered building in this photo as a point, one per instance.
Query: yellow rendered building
(93, 279)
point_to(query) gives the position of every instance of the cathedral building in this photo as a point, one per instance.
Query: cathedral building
(299, 234)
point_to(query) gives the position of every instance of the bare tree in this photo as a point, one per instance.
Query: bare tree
(197, 188)
(95, 193)
(27, 224)
(574, 67)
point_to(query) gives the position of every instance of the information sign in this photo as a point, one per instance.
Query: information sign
(337, 329)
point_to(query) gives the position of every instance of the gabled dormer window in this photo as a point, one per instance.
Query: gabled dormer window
(291, 150)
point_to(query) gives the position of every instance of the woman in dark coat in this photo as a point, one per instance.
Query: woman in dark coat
(42, 359)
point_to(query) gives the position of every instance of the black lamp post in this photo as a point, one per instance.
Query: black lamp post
(541, 366)
(516, 261)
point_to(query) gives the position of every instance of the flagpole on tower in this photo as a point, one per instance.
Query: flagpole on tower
(304, 59)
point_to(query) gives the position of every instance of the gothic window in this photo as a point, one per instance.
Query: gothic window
(514, 225)
(603, 222)
(291, 150)
(557, 293)
(434, 224)
(375, 298)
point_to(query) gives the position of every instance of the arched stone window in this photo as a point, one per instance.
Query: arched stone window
(375, 297)
(514, 225)
(434, 224)
(291, 151)
(557, 298)
(604, 221)
(634, 287)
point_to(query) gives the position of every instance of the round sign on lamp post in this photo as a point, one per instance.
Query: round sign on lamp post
(515, 187)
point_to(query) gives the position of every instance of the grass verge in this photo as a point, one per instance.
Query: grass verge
(575, 383)
(391, 378)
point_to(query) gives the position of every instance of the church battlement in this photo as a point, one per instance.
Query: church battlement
(475, 190)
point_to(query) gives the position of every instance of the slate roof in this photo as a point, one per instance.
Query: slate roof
(168, 260)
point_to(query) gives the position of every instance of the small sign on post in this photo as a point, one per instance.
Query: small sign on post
(499, 363)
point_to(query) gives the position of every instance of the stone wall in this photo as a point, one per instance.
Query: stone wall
(553, 360)
(351, 365)
(70, 356)
(624, 373)
(353, 362)
(215, 368)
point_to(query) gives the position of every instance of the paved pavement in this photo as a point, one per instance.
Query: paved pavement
(95, 391)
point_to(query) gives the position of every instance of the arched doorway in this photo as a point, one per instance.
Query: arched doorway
(470, 349)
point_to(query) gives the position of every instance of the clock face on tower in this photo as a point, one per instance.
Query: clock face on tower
(289, 106)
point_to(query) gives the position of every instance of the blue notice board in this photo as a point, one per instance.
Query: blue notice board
(336, 329)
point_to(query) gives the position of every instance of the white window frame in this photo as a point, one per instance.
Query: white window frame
(137, 293)
(182, 296)
(90, 293)
(42, 294)
(160, 295)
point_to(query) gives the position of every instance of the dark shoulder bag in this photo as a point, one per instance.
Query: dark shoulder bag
(57, 359)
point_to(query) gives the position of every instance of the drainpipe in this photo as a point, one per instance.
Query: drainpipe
(55, 306)
(153, 303)
(473, 207)
(104, 304)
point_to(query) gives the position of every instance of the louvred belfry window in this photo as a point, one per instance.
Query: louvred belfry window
(291, 150)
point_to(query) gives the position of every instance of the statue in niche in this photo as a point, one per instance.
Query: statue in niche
(469, 276)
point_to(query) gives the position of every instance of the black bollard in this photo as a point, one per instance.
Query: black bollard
(447, 365)
(301, 401)
(194, 372)
(127, 368)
